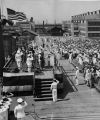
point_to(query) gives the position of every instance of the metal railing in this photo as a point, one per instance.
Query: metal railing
(68, 78)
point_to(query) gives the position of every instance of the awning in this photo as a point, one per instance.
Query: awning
(32, 32)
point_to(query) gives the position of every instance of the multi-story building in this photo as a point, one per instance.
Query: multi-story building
(86, 25)
(66, 26)
(17, 35)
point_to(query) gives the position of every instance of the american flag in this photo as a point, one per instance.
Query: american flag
(13, 15)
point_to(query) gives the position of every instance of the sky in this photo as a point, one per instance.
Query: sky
(52, 11)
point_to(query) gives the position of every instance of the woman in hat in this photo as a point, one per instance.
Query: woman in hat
(19, 109)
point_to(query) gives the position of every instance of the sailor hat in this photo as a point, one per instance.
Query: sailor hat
(19, 100)
(77, 68)
(18, 51)
(29, 55)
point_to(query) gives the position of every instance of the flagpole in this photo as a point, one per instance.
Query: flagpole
(2, 59)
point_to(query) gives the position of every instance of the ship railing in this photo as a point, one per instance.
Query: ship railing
(8, 63)
(61, 69)
(69, 79)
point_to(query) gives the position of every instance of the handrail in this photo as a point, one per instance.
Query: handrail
(7, 63)
(5, 66)
(70, 81)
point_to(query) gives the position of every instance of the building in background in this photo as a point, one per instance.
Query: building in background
(56, 31)
(27, 32)
(86, 24)
(10, 36)
(44, 29)
(21, 33)
(66, 26)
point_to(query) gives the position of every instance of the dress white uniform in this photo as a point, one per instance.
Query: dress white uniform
(76, 76)
(52, 60)
(18, 58)
(39, 59)
(29, 63)
(88, 75)
(54, 90)
(94, 60)
(70, 57)
(19, 111)
(80, 61)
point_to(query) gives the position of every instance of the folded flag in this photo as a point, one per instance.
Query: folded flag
(13, 15)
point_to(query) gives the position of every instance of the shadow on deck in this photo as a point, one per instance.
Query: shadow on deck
(68, 85)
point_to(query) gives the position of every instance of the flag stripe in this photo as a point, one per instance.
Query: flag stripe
(16, 16)
(13, 15)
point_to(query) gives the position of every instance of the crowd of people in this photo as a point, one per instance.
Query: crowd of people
(45, 55)
(85, 52)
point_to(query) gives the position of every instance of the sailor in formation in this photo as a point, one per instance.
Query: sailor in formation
(29, 62)
(18, 58)
(76, 76)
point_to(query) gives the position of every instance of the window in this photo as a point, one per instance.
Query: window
(88, 13)
(95, 12)
(91, 13)
(93, 23)
(93, 28)
(75, 28)
(93, 34)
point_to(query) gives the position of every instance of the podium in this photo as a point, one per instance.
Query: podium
(18, 83)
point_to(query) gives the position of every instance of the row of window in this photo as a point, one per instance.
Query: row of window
(83, 34)
(94, 23)
(93, 34)
(82, 29)
(89, 28)
(75, 28)
(78, 21)
(93, 28)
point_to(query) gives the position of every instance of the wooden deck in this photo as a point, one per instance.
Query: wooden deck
(45, 75)
(81, 105)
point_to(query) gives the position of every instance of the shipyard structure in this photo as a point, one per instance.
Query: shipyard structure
(84, 25)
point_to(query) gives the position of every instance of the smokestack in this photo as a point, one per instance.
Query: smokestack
(43, 24)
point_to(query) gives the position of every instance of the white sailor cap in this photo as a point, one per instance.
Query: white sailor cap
(18, 51)
(77, 68)
(19, 100)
